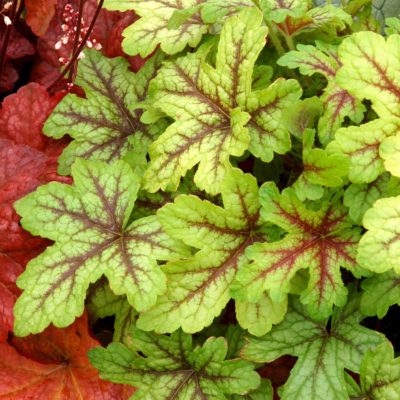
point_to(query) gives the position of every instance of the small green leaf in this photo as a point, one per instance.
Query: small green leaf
(379, 248)
(323, 351)
(264, 392)
(379, 293)
(361, 197)
(168, 367)
(380, 374)
(338, 103)
(103, 123)
(278, 10)
(89, 224)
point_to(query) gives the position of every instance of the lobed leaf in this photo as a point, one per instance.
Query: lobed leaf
(323, 353)
(104, 124)
(89, 223)
(168, 367)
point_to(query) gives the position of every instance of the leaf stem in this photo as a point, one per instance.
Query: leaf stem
(275, 39)
(76, 39)
(79, 50)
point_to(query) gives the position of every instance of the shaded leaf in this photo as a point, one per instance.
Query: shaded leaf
(323, 352)
(168, 367)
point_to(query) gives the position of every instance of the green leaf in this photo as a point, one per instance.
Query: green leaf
(371, 70)
(168, 367)
(322, 241)
(392, 26)
(379, 293)
(258, 318)
(103, 124)
(264, 392)
(338, 103)
(319, 169)
(361, 144)
(323, 350)
(379, 248)
(102, 302)
(89, 224)
(278, 10)
(198, 287)
(152, 29)
(213, 11)
(203, 101)
(389, 151)
(268, 129)
(360, 197)
(380, 373)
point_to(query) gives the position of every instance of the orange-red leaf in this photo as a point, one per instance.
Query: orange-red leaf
(39, 14)
(54, 366)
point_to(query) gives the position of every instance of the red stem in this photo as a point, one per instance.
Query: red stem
(6, 38)
(78, 51)
(77, 36)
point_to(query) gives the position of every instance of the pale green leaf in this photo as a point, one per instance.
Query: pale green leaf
(169, 368)
(323, 351)
(379, 248)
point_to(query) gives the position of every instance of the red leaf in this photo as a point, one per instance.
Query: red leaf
(54, 366)
(28, 159)
(24, 113)
(39, 14)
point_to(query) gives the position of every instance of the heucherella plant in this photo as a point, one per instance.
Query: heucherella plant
(234, 201)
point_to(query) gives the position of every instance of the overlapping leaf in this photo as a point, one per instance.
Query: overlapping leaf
(370, 71)
(39, 14)
(338, 103)
(379, 375)
(54, 366)
(319, 169)
(172, 24)
(323, 352)
(380, 292)
(106, 122)
(321, 241)
(379, 248)
(198, 288)
(360, 197)
(168, 367)
(204, 102)
(89, 223)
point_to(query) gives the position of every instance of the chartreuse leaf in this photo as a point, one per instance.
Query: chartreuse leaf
(89, 224)
(203, 101)
(379, 293)
(338, 102)
(379, 248)
(360, 197)
(390, 153)
(168, 367)
(379, 375)
(103, 124)
(258, 318)
(319, 169)
(323, 350)
(214, 10)
(371, 70)
(198, 287)
(322, 241)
